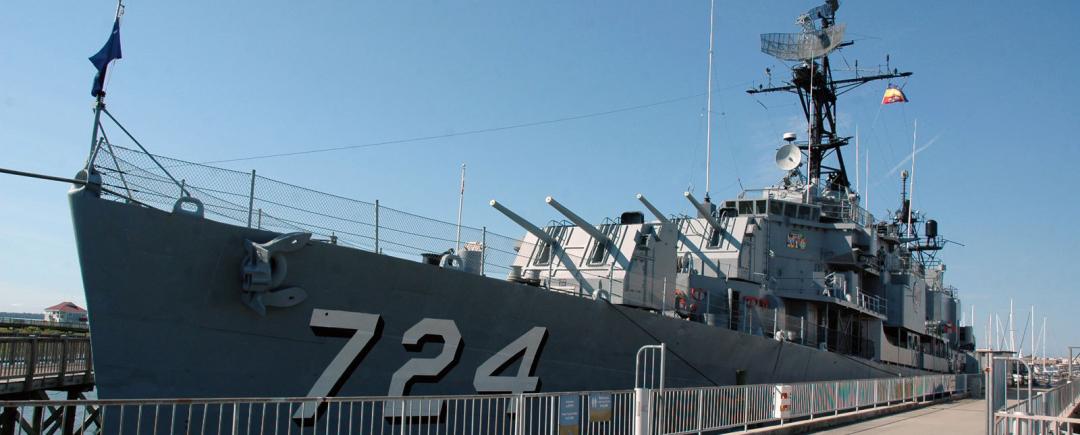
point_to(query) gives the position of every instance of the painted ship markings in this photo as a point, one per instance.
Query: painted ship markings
(366, 330)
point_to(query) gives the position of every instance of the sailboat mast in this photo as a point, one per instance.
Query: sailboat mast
(708, 107)
(1032, 345)
(1012, 330)
(1043, 341)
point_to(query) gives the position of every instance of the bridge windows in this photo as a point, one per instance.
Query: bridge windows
(776, 208)
(746, 207)
(791, 210)
(804, 212)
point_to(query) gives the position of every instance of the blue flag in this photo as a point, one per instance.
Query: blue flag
(108, 53)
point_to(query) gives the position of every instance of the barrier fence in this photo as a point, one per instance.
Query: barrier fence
(639, 411)
(44, 324)
(28, 363)
(248, 199)
(692, 410)
(1048, 412)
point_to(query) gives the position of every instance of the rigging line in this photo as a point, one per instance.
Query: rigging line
(877, 134)
(691, 152)
(104, 137)
(183, 190)
(658, 340)
(730, 149)
(906, 160)
(1023, 335)
(476, 131)
(64, 180)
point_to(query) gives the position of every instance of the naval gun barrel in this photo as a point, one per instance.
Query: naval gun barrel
(703, 211)
(528, 226)
(653, 210)
(577, 220)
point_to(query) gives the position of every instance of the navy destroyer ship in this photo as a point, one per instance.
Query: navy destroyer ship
(205, 282)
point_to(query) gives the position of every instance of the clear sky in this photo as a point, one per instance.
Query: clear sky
(993, 93)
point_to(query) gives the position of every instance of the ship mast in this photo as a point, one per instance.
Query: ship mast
(817, 89)
(708, 108)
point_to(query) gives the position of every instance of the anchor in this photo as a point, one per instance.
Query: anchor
(263, 270)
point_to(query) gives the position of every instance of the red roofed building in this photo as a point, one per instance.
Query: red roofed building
(65, 312)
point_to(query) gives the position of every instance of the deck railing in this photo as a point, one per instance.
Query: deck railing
(1046, 412)
(44, 324)
(251, 200)
(640, 411)
(28, 363)
(873, 303)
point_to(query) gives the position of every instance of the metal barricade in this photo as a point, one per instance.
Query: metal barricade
(665, 411)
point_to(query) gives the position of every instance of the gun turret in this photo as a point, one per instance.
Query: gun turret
(703, 211)
(528, 226)
(653, 210)
(577, 220)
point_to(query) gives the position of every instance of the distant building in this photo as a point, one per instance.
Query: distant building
(65, 312)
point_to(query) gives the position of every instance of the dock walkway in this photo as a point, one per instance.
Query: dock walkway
(31, 365)
(966, 416)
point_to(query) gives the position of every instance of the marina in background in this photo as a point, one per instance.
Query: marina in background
(231, 302)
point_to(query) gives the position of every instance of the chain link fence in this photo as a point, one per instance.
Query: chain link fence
(249, 199)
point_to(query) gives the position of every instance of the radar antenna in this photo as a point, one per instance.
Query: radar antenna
(813, 82)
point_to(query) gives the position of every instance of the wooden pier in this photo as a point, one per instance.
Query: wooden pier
(31, 367)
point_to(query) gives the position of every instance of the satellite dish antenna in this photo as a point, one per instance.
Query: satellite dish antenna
(788, 157)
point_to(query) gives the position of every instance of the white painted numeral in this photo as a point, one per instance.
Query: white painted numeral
(527, 346)
(364, 329)
(423, 368)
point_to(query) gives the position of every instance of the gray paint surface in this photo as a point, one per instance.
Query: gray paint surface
(164, 293)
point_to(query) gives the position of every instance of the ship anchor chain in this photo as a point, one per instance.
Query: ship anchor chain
(264, 269)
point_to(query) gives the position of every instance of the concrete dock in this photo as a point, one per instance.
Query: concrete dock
(961, 417)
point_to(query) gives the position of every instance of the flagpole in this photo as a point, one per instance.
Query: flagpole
(99, 103)
(461, 202)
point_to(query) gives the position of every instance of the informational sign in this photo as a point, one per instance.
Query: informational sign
(781, 401)
(599, 407)
(569, 414)
(1000, 382)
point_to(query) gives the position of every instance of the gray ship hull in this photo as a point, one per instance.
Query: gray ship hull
(167, 320)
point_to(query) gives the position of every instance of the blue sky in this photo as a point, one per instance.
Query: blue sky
(207, 80)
